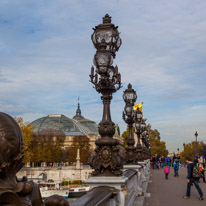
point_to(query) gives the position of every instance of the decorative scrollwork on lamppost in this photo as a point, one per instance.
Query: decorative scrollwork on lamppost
(129, 97)
(148, 146)
(144, 148)
(107, 80)
(139, 127)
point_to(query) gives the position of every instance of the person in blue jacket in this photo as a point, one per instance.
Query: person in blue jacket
(168, 161)
(191, 179)
(176, 168)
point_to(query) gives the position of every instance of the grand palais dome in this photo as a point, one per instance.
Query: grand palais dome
(78, 125)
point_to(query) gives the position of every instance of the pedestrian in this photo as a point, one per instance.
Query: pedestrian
(156, 162)
(153, 162)
(168, 160)
(162, 162)
(201, 164)
(192, 177)
(166, 171)
(176, 168)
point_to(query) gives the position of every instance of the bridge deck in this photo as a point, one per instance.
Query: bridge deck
(170, 192)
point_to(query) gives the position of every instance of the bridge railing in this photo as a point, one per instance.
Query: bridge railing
(98, 196)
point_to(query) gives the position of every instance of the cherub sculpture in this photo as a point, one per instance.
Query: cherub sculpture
(14, 192)
(140, 106)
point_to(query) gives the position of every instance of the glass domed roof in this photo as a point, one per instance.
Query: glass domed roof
(60, 122)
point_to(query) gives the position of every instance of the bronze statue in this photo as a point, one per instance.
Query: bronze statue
(14, 192)
(56, 200)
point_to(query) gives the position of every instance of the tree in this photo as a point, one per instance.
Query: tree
(81, 143)
(47, 146)
(158, 147)
(190, 150)
(27, 130)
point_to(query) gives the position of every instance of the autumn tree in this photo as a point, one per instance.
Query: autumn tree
(81, 143)
(190, 150)
(47, 146)
(157, 146)
(27, 130)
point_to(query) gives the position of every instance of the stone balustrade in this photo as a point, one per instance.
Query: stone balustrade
(116, 191)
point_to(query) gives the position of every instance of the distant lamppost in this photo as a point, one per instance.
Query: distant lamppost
(178, 150)
(196, 134)
(129, 97)
(144, 143)
(184, 151)
(139, 126)
(107, 80)
(148, 146)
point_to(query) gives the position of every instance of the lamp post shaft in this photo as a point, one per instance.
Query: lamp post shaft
(196, 134)
(106, 161)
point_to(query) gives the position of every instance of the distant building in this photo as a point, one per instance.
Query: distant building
(77, 126)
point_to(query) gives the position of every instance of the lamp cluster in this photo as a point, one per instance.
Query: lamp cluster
(134, 117)
(107, 42)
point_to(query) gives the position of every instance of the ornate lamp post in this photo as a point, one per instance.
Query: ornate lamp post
(129, 97)
(147, 146)
(107, 80)
(184, 151)
(178, 150)
(196, 134)
(139, 126)
(144, 147)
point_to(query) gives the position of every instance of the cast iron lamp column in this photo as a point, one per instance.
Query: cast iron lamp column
(139, 127)
(196, 134)
(107, 80)
(129, 97)
(184, 151)
(144, 147)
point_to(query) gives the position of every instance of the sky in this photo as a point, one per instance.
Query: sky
(46, 54)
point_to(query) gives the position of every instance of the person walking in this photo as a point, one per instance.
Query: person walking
(176, 168)
(192, 177)
(162, 162)
(168, 160)
(166, 171)
(156, 162)
(153, 162)
(201, 164)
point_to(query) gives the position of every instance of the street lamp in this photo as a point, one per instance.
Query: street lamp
(178, 150)
(184, 151)
(139, 128)
(129, 97)
(107, 80)
(196, 134)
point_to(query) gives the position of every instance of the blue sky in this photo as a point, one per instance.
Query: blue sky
(46, 54)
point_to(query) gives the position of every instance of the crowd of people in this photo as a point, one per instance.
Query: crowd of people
(160, 162)
(195, 170)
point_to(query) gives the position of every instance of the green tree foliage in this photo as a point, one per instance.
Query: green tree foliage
(157, 146)
(190, 150)
(81, 143)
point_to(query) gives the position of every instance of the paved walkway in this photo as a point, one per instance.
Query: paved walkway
(170, 192)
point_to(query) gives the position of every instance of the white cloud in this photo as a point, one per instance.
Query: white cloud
(46, 54)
